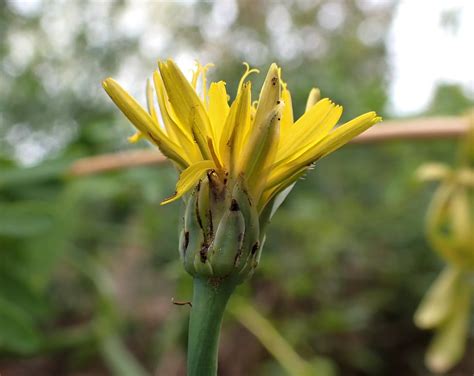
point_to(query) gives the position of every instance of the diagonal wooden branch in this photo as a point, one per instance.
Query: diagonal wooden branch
(414, 129)
(116, 161)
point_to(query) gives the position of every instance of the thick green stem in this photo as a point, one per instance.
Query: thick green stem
(209, 301)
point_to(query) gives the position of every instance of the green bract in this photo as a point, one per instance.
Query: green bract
(221, 232)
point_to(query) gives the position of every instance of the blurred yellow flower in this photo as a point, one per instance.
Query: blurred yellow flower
(450, 230)
(256, 142)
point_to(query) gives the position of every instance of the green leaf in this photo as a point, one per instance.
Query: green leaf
(17, 329)
(24, 219)
(15, 176)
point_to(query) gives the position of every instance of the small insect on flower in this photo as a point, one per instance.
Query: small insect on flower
(250, 153)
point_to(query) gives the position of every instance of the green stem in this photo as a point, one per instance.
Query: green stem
(209, 301)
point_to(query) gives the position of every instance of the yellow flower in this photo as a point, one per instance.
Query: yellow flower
(258, 143)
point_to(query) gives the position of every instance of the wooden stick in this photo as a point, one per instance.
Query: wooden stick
(416, 129)
(116, 161)
(413, 129)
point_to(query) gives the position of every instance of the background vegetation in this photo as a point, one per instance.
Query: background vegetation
(88, 266)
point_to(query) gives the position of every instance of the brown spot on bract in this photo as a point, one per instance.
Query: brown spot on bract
(211, 224)
(203, 252)
(234, 206)
(186, 241)
(239, 252)
(255, 248)
(198, 217)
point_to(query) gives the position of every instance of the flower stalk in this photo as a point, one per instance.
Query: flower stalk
(210, 297)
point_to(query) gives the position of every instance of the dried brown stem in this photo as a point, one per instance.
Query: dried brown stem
(115, 161)
(416, 129)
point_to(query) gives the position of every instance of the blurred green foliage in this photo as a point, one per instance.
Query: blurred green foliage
(88, 266)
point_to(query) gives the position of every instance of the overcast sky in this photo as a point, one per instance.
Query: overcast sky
(422, 52)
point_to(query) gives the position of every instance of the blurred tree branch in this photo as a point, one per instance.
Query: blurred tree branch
(115, 161)
(417, 129)
(413, 129)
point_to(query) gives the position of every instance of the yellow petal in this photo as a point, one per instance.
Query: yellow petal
(313, 98)
(253, 110)
(433, 171)
(466, 176)
(189, 178)
(438, 220)
(285, 171)
(272, 188)
(128, 105)
(143, 121)
(460, 218)
(187, 106)
(320, 129)
(137, 136)
(261, 144)
(346, 132)
(218, 107)
(449, 343)
(438, 301)
(287, 114)
(239, 124)
(227, 133)
(228, 128)
(242, 127)
(150, 102)
(175, 129)
(309, 128)
(260, 151)
(270, 96)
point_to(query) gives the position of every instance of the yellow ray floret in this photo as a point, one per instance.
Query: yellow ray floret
(255, 142)
(189, 178)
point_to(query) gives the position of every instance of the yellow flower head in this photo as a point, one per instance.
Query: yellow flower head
(257, 143)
